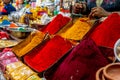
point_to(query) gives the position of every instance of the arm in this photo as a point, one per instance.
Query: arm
(100, 12)
(115, 12)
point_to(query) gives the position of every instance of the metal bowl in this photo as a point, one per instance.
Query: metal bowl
(21, 34)
(117, 50)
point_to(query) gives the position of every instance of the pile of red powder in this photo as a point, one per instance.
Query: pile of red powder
(108, 32)
(56, 24)
(41, 59)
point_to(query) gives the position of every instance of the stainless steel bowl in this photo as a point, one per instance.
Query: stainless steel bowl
(21, 34)
(117, 50)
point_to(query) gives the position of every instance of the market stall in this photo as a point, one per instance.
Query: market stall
(46, 40)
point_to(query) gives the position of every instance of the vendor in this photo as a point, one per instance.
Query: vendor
(8, 8)
(97, 8)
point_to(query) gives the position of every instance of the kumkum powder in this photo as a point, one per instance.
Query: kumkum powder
(108, 32)
(29, 43)
(41, 59)
(56, 24)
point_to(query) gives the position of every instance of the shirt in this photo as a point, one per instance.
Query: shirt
(108, 5)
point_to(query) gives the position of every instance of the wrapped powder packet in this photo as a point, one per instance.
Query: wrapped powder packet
(13, 66)
(21, 73)
(8, 61)
(7, 55)
(34, 77)
(5, 62)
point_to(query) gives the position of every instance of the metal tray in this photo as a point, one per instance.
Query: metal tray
(7, 43)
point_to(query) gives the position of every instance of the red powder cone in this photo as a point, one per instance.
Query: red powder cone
(41, 59)
(108, 32)
(57, 23)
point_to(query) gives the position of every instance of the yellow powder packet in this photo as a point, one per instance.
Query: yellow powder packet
(34, 77)
(13, 66)
(21, 73)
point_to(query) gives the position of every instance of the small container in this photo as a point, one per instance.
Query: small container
(112, 71)
(117, 50)
(21, 33)
(99, 74)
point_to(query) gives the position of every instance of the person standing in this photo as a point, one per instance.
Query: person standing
(97, 8)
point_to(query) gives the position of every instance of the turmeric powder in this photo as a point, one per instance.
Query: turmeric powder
(78, 30)
(28, 44)
(66, 27)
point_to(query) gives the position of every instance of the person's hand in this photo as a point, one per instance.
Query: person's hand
(98, 12)
(79, 8)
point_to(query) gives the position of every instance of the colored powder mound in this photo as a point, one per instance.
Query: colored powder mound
(5, 22)
(81, 64)
(56, 24)
(22, 29)
(28, 44)
(41, 59)
(108, 32)
(78, 30)
(13, 25)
